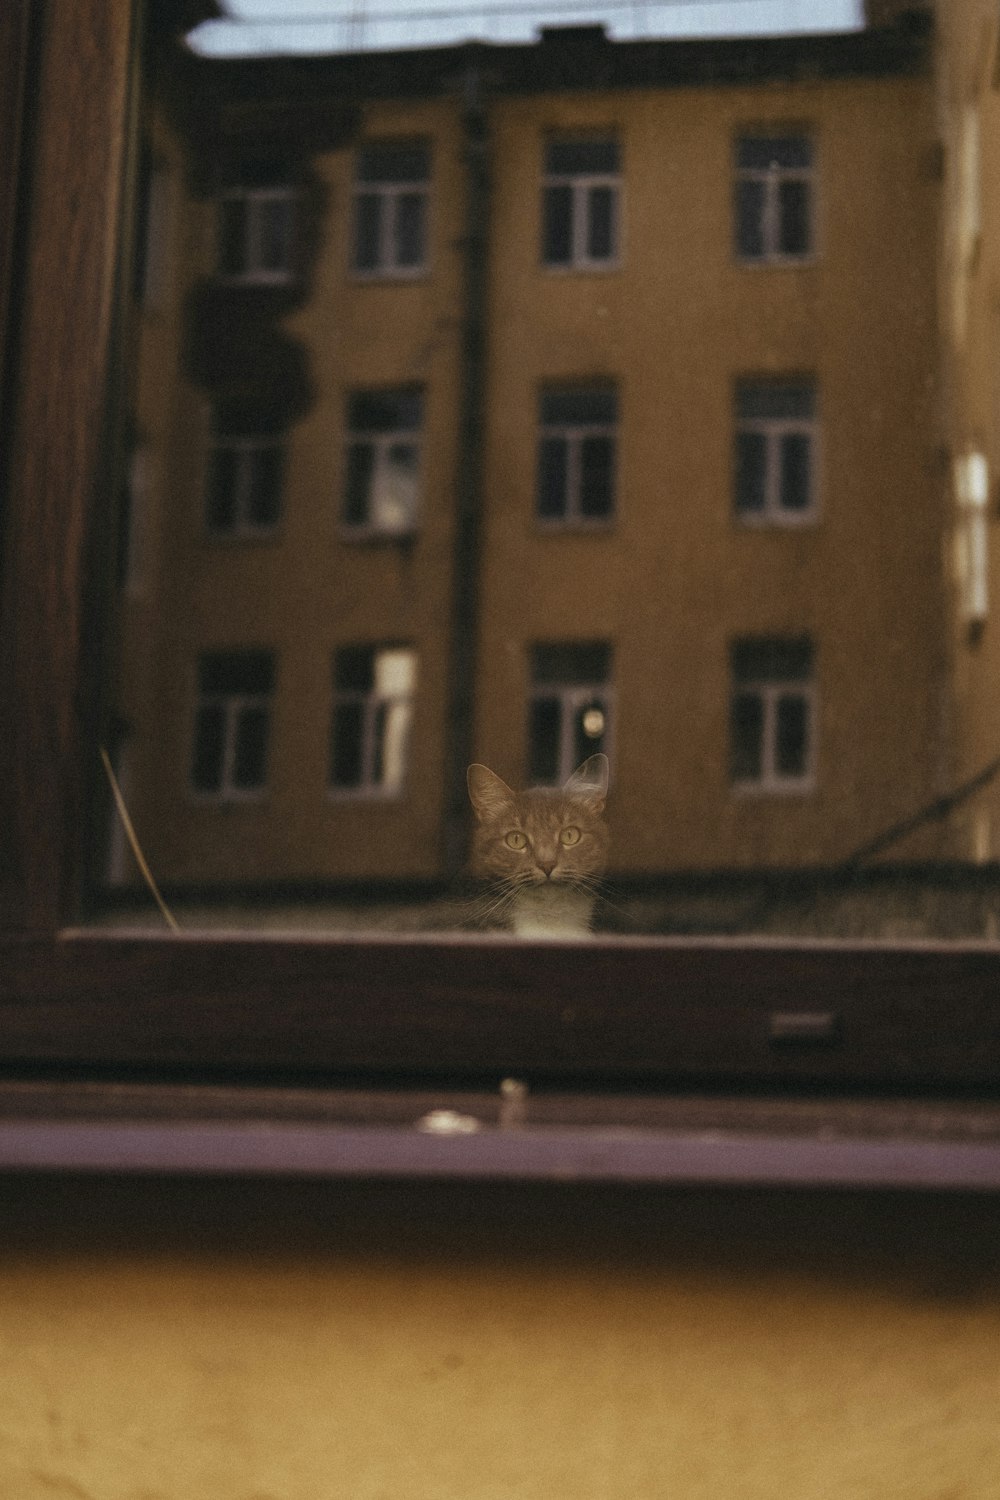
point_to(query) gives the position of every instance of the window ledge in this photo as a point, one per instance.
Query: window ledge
(508, 1135)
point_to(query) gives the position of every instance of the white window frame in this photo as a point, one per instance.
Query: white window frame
(372, 700)
(774, 430)
(772, 177)
(234, 705)
(571, 697)
(573, 434)
(381, 444)
(253, 273)
(771, 781)
(388, 195)
(246, 448)
(581, 184)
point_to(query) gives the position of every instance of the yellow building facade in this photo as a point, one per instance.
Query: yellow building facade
(630, 441)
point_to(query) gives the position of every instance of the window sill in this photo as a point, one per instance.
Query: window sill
(512, 1136)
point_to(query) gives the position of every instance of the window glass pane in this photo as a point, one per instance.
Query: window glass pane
(209, 747)
(222, 489)
(776, 400)
(601, 203)
(393, 496)
(571, 663)
(249, 760)
(385, 411)
(792, 735)
(360, 463)
(795, 467)
(264, 499)
(750, 195)
(751, 472)
(552, 458)
(274, 230)
(232, 236)
(557, 225)
(597, 476)
(368, 209)
(580, 405)
(793, 216)
(394, 162)
(763, 152)
(410, 209)
(581, 158)
(766, 659)
(590, 723)
(236, 672)
(746, 737)
(348, 743)
(354, 669)
(544, 728)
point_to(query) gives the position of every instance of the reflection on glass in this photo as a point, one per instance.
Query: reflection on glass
(570, 395)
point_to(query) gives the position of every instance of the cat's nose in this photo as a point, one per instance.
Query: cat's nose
(546, 866)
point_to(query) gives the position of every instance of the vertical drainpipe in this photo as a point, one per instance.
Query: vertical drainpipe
(463, 632)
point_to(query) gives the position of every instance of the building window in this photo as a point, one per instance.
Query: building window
(569, 713)
(972, 546)
(244, 481)
(577, 446)
(232, 724)
(382, 479)
(257, 234)
(772, 714)
(776, 441)
(581, 203)
(390, 208)
(373, 689)
(774, 198)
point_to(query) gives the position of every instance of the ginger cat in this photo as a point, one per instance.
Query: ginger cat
(544, 849)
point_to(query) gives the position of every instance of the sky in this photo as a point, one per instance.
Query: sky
(303, 26)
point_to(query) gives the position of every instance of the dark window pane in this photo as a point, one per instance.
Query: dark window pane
(367, 221)
(571, 663)
(209, 747)
(354, 669)
(751, 472)
(264, 500)
(590, 728)
(394, 162)
(581, 406)
(243, 672)
(601, 223)
(597, 476)
(221, 505)
(348, 739)
(385, 411)
(557, 226)
(378, 742)
(763, 400)
(580, 158)
(792, 746)
(750, 219)
(552, 456)
(768, 659)
(543, 740)
(250, 758)
(233, 236)
(762, 152)
(360, 461)
(793, 217)
(275, 233)
(746, 737)
(410, 229)
(795, 471)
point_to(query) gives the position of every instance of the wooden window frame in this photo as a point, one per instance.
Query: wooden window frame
(633, 1020)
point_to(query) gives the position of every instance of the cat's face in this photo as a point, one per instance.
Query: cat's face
(528, 838)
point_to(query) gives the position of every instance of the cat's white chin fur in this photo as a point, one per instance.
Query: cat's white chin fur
(551, 910)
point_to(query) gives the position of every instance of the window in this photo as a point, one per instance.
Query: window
(569, 714)
(382, 484)
(772, 714)
(972, 547)
(232, 723)
(580, 203)
(244, 481)
(576, 454)
(390, 208)
(257, 234)
(775, 452)
(774, 198)
(372, 711)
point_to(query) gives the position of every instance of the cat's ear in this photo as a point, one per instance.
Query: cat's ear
(489, 795)
(590, 781)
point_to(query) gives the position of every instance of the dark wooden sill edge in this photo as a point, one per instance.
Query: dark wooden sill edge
(510, 1135)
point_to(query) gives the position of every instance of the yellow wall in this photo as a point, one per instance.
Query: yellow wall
(227, 1341)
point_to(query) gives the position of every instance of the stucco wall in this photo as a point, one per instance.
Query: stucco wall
(240, 1341)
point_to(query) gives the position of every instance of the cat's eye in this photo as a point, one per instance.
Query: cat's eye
(569, 836)
(516, 839)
